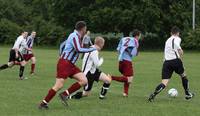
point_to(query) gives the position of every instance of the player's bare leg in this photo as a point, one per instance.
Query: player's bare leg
(126, 86)
(52, 92)
(33, 61)
(158, 89)
(81, 81)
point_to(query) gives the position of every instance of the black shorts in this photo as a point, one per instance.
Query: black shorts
(170, 66)
(91, 78)
(13, 58)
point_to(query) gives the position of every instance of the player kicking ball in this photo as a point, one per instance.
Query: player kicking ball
(16, 54)
(90, 65)
(66, 66)
(172, 63)
(127, 49)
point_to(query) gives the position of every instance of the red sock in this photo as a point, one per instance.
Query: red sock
(120, 79)
(32, 68)
(17, 63)
(126, 87)
(76, 86)
(50, 95)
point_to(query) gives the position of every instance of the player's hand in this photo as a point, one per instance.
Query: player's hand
(100, 61)
(29, 49)
(17, 55)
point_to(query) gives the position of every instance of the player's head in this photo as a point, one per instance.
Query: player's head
(99, 41)
(126, 33)
(175, 31)
(136, 33)
(81, 27)
(24, 34)
(33, 34)
(88, 33)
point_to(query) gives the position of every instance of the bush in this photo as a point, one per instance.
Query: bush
(192, 40)
(8, 31)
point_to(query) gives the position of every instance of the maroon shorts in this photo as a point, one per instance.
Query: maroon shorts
(27, 57)
(126, 68)
(66, 69)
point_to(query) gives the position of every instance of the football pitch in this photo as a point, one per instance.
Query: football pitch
(21, 97)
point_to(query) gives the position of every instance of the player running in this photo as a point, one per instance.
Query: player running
(16, 54)
(172, 62)
(66, 66)
(127, 49)
(90, 65)
(28, 55)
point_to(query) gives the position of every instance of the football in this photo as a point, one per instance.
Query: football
(173, 92)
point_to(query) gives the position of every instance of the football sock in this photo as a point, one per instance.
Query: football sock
(4, 67)
(32, 68)
(78, 95)
(120, 78)
(76, 86)
(17, 63)
(185, 85)
(49, 96)
(104, 89)
(21, 71)
(159, 88)
(126, 87)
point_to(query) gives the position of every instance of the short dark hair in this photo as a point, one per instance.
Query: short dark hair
(80, 24)
(136, 32)
(126, 33)
(175, 30)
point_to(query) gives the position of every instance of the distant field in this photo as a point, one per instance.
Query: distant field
(20, 98)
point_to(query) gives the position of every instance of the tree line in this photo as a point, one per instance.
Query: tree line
(53, 20)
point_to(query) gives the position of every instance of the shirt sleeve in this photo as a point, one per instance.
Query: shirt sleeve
(134, 51)
(17, 43)
(177, 42)
(62, 45)
(77, 45)
(119, 45)
(95, 58)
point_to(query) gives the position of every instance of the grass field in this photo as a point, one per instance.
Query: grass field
(20, 98)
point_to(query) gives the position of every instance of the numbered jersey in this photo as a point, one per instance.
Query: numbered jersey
(127, 48)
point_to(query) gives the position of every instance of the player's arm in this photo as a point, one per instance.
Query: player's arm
(79, 48)
(119, 45)
(62, 46)
(24, 44)
(177, 46)
(95, 58)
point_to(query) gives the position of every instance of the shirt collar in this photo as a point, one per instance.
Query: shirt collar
(77, 32)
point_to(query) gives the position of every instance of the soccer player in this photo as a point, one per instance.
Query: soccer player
(86, 40)
(90, 65)
(16, 54)
(172, 63)
(66, 66)
(28, 55)
(127, 49)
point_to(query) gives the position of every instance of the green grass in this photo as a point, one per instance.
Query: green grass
(20, 98)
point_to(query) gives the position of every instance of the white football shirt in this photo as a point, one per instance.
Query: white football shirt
(91, 61)
(171, 48)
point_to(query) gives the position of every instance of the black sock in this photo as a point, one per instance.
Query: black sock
(104, 89)
(78, 95)
(4, 66)
(185, 85)
(159, 88)
(21, 71)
